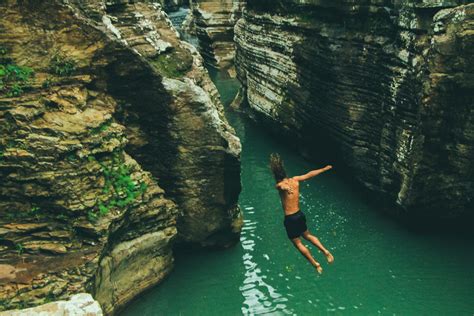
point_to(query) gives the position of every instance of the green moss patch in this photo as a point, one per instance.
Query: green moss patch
(118, 184)
(14, 79)
(174, 64)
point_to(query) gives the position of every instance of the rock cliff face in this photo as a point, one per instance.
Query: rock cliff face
(385, 86)
(98, 105)
(213, 22)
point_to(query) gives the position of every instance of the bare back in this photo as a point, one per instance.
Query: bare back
(289, 190)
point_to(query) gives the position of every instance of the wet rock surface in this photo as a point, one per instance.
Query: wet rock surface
(385, 87)
(111, 148)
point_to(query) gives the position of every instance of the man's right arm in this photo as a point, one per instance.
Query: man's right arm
(312, 173)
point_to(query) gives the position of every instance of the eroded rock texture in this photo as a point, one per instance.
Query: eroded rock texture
(213, 23)
(77, 212)
(386, 86)
(78, 305)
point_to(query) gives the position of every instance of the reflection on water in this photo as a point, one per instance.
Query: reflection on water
(259, 296)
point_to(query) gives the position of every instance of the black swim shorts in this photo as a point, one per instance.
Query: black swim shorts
(295, 224)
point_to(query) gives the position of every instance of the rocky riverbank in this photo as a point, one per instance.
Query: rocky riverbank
(113, 145)
(385, 87)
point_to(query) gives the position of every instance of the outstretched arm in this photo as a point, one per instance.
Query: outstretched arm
(312, 173)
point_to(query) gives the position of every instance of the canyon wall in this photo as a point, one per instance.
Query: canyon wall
(385, 87)
(113, 144)
(213, 23)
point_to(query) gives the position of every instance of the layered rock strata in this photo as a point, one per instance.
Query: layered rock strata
(116, 104)
(213, 23)
(386, 87)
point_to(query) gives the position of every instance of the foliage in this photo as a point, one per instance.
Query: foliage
(34, 211)
(102, 128)
(50, 297)
(19, 249)
(14, 79)
(175, 64)
(71, 157)
(119, 184)
(62, 66)
(47, 83)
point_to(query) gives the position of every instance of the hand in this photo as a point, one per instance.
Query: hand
(328, 167)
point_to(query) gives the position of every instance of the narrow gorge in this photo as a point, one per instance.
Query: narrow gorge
(134, 146)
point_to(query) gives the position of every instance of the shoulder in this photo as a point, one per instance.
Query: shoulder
(295, 180)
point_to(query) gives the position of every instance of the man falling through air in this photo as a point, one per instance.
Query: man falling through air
(295, 221)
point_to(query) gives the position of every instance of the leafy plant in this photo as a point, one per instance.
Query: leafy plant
(50, 297)
(3, 50)
(19, 249)
(119, 183)
(34, 211)
(14, 79)
(174, 64)
(71, 157)
(92, 216)
(102, 128)
(62, 217)
(47, 83)
(62, 66)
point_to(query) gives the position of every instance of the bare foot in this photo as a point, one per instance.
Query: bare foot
(330, 257)
(319, 268)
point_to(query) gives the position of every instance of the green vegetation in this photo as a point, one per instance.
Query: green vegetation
(102, 128)
(50, 297)
(175, 64)
(119, 184)
(47, 83)
(19, 249)
(14, 79)
(62, 66)
(34, 211)
(71, 157)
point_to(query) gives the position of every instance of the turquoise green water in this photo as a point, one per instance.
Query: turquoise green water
(380, 268)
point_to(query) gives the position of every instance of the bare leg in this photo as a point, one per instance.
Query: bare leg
(306, 253)
(315, 241)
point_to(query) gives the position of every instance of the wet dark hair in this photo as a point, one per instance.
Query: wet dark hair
(277, 167)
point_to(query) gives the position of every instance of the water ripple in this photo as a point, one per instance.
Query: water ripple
(259, 296)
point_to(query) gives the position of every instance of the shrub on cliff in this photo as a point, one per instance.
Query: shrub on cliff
(14, 79)
(61, 65)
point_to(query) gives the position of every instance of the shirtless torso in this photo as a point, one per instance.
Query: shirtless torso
(289, 190)
(295, 220)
